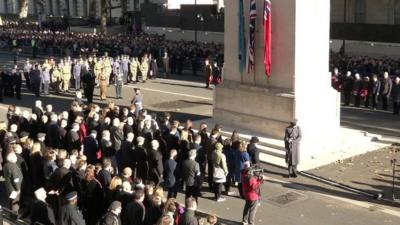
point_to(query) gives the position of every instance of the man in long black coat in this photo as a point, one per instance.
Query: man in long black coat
(134, 212)
(347, 88)
(72, 138)
(156, 167)
(126, 154)
(386, 90)
(53, 136)
(41, 211)
(396, 96)
(117, 134)
(375, 90)
(90, 147)
(292, 141)
(140, 155)
(89, 82)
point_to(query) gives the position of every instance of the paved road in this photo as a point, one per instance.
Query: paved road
(310, 205)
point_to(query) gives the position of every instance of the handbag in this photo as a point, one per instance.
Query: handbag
(219, 174)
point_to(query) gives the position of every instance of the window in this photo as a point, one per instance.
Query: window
(396, 12)
(359, 11)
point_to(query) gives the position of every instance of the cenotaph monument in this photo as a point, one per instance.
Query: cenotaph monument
(299, 86)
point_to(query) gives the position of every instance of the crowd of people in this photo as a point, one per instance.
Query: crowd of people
(112, 165)
(367, 81)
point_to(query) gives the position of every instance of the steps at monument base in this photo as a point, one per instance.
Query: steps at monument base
(272, 150)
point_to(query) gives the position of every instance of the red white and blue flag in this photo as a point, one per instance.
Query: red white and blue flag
(252, 35)
(267, 37)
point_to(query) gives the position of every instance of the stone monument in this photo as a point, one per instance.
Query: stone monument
(299, 86)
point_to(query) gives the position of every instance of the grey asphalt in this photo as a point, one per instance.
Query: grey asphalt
(190, 100)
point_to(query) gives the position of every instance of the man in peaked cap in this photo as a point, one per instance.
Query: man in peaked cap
(70, 215)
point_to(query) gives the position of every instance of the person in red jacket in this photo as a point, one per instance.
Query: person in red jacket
(251, 192)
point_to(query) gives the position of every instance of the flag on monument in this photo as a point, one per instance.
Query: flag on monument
(267, 37)
(241, 38)
(252, 35)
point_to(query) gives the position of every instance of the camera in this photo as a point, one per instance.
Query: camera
(256, 171)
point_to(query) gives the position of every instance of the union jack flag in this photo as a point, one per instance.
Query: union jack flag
(252, 35)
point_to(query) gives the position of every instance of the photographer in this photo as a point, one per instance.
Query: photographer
(251, 182)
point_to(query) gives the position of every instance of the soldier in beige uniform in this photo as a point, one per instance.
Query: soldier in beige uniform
(107, 69)
(103, 85)
(66, 76)
(98, 66)
(144, 68)
(134, 67)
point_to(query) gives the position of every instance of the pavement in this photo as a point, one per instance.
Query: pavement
(285, 201)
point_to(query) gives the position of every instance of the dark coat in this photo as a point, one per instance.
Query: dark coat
(73, 141)
(292, 142)
(141, 165)
(104, 177)
(90, 148)
(70, 215)
(396, 93)
(42, 213)
(127, 158)
(153, 213)
(188, 218)
(92, 202)
(13, 177)
(375, 87)
(134, 214)
(117, 136)
(110, 219)
(254, 153)
(386, 87)
(191, 172)
(169, 173)
(53, 136)
(156, 167)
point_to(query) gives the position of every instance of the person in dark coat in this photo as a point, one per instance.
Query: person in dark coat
(105, 174)
(386, 90)
(17, 83)
(292, 141)
(53, 129)
(396, 96)
(357, 87)
(89, 82)
(117, 135)
(347, 88)
(169, 174)
(35, 79)
(156, 168)
(62, 131)
(141, 164)
(189, 216)
(191, 175)
(41, 212)
(93, 196)
(112, 217)
(70, 215)
(91, 147)
(253, 151)
(126, 155)
(73, 139)
(375, 90)
(38, 109)
(135, 211)
(12, 180)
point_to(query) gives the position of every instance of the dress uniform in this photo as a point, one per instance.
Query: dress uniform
(103, 85)
(144, 68)
(134, 67)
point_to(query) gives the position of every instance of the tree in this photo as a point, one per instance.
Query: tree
(23, 11)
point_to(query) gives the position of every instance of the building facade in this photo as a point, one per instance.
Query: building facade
(365, 11)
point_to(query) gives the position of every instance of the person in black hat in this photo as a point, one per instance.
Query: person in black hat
(112, 217)
(70, 215)
(41, 211)
(292, 141)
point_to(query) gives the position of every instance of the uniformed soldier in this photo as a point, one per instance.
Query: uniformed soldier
(13, 180)
(133, 67)
(103, 85)
(98, 66)
(70, 215)
(16, 81)
(66, 76)
(107, 69)
(144, 68)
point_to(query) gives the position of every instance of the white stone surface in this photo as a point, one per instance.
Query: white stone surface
(299, 86)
